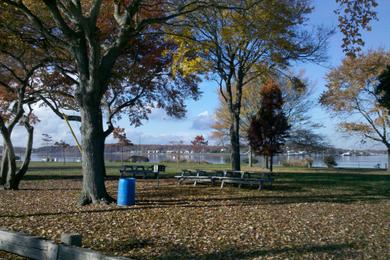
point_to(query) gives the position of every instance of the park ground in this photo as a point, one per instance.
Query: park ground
(309, 213)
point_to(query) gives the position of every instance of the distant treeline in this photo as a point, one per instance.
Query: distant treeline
(116, 148)
(163, 148)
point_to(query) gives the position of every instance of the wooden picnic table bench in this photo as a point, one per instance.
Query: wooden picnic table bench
(142, 170)
(234, 177)
(247, 178)
(199, 176)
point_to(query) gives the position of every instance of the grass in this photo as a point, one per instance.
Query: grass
(309, 213)
(57, 168)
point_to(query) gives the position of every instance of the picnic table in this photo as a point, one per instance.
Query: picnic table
(247, 178)
(234, 177)
(146, 171)
(199, 176)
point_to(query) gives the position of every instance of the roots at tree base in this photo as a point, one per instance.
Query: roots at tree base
(86, 199)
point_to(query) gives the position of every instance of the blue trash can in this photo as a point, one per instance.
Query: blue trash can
(126, 192)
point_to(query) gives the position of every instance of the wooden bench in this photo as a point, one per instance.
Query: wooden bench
(199, 176)
(142, 170)
(247, 178)
(234, 177)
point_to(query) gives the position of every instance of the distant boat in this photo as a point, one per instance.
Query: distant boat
(346, 154)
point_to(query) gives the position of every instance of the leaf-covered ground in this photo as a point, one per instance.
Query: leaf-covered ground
(311, 216)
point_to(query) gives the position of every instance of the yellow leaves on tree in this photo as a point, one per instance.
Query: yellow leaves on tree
(350, 93)
(296, 104)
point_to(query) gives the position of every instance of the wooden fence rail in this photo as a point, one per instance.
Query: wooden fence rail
(34, 247)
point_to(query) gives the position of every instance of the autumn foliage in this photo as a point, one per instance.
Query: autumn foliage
(268, 129)
(106, 57)
(355, 16)
(198, 143)
(351, 94)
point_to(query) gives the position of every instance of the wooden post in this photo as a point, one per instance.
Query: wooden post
(32, 247)
(71, 239)
(38, 248)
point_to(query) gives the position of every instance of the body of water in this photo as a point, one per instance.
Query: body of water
(371, 161)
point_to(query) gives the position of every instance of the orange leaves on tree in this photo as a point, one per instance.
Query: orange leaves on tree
(268, 129)
(198, 143)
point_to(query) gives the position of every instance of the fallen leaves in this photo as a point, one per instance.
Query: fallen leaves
(204, 221)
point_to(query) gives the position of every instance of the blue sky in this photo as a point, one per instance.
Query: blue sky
(200, 113)
(162, 129)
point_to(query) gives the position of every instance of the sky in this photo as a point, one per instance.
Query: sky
(161, 129)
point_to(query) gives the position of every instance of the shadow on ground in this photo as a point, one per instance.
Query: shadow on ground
(331, 250)
(287, 189)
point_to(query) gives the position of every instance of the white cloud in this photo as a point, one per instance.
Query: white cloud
(203, 121)
(139, 137)
(158, 114)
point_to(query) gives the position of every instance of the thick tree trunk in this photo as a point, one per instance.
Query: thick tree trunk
(93, 167)
(10, 156)
(11, 163)
(235, 142)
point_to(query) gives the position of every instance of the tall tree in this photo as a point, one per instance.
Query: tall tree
(267, 131)
(296, 106)
(350, 94)
(240, 44)
(18, 65)
(198, 144)
(94, 37)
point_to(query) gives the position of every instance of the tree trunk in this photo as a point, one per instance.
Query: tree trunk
(250, 157)
(266, 161)
(235, 142)
(63, 155)
(122, 155)
(93, 167)
(10, 156)
(271, 162)
(11, 163)
(4, 166)
(27, 156)
(388, 160)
